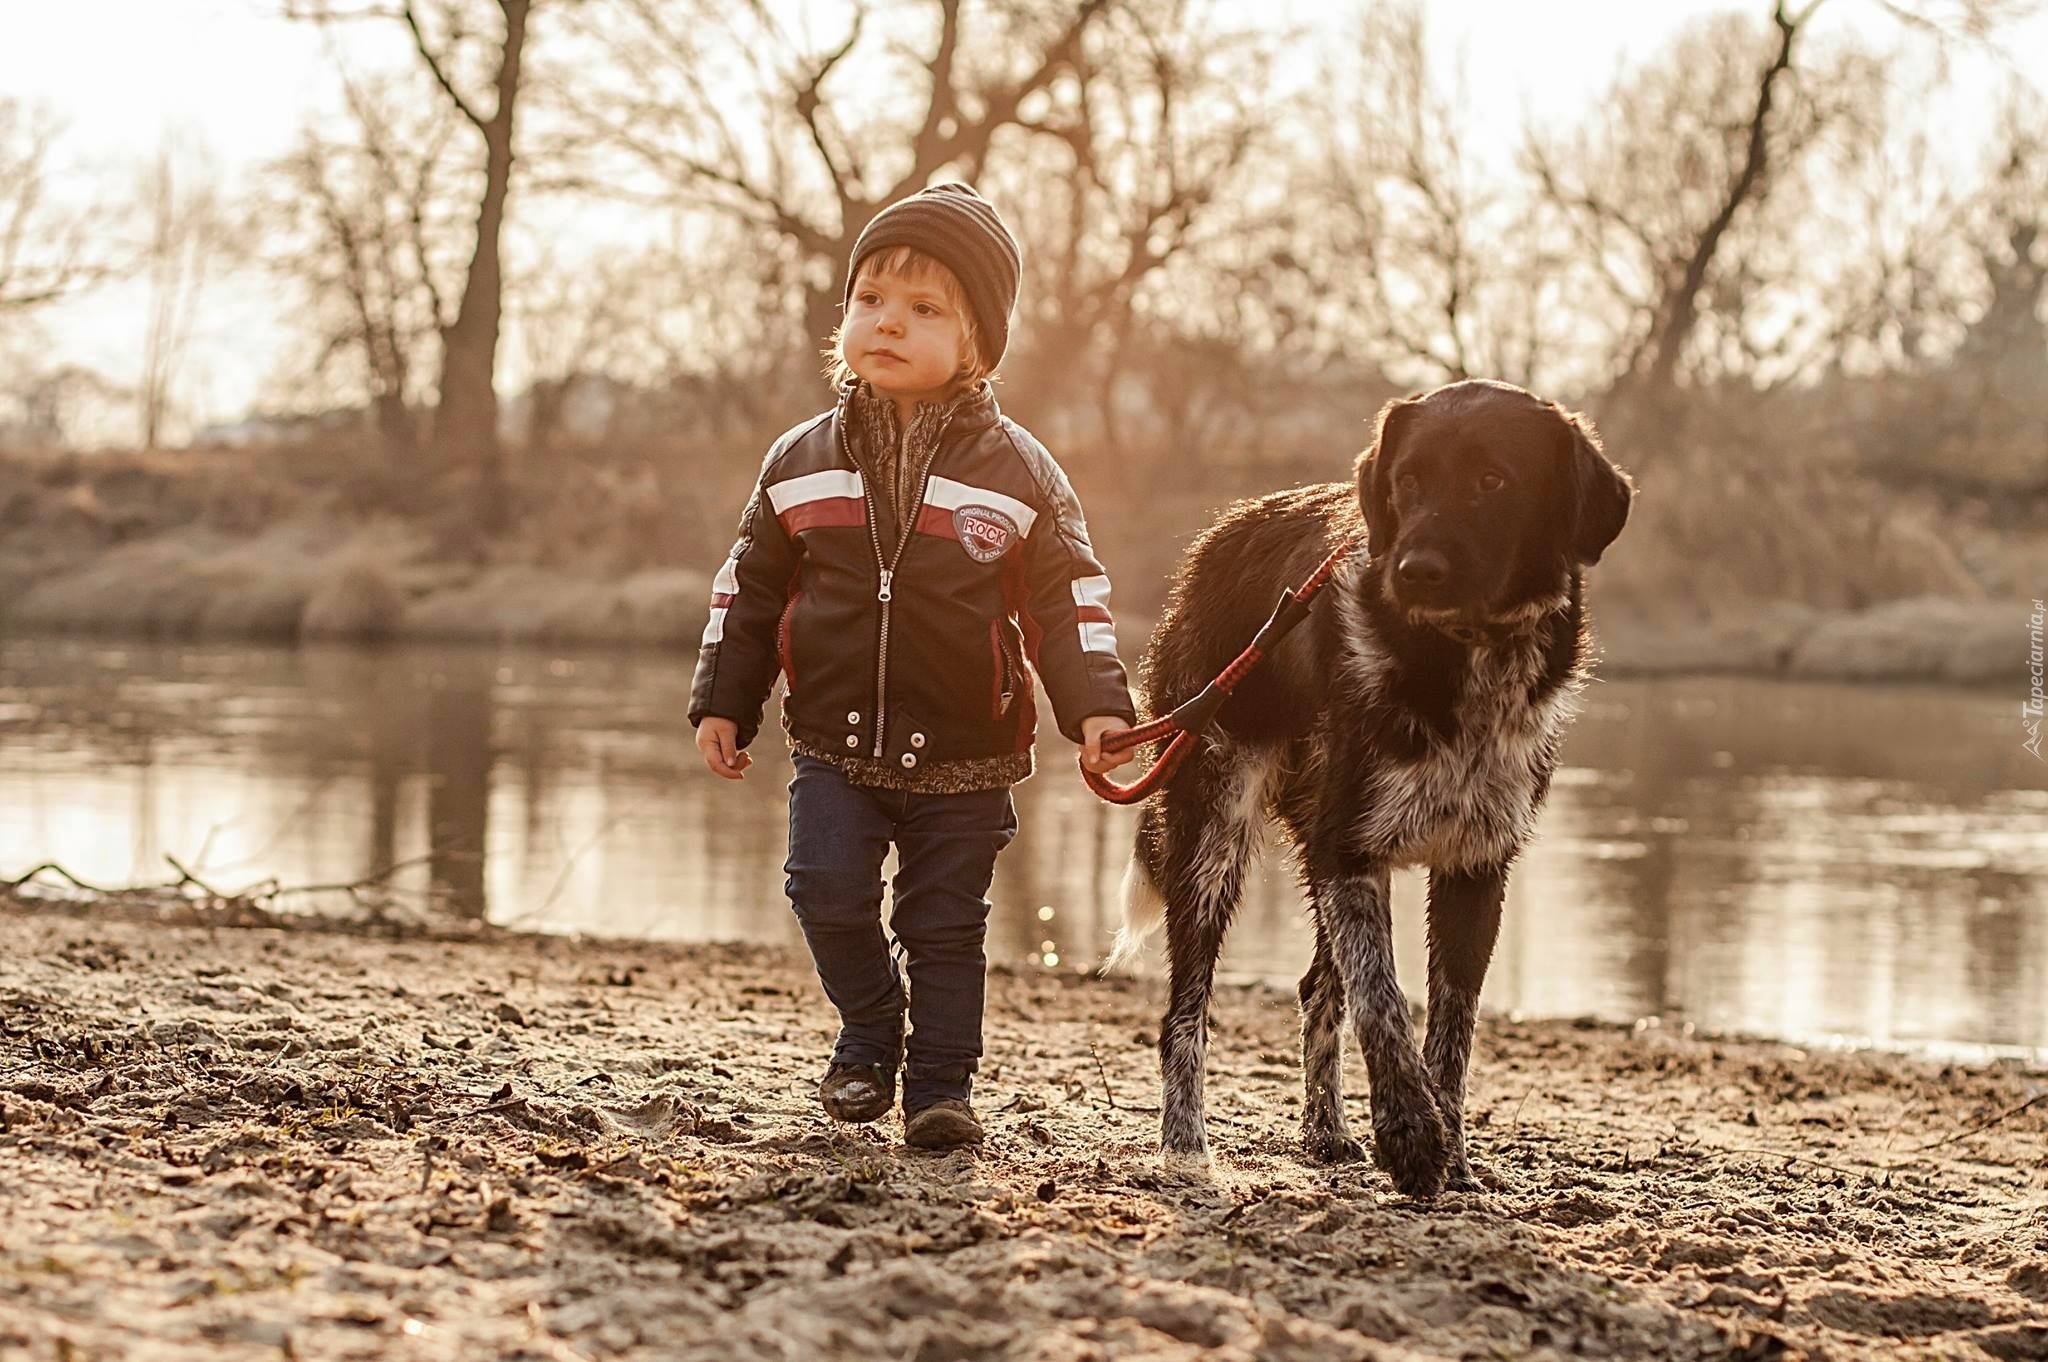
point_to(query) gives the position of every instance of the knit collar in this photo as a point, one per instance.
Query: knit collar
(970, 409)
(887, 438)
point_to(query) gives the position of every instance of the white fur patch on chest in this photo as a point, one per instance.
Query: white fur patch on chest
(1469, 801)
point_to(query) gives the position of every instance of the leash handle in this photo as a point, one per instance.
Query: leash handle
(1189, 721)
(1137, 790)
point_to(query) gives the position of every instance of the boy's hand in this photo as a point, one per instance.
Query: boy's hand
(719, 741)
(1093, 730)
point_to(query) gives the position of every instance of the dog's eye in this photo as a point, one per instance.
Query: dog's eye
(1491, 482)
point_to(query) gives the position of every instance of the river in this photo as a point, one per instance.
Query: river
(1862, 864)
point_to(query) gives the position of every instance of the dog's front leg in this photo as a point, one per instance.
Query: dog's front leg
(1464, 920)
(1409, 1141)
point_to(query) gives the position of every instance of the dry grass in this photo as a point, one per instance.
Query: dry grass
(1760, 516)
(362, 603)
(663, 608)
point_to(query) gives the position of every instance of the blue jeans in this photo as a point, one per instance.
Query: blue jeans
(946, 849)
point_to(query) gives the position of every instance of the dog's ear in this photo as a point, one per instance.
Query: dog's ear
(1599, 492)
(1374, 473)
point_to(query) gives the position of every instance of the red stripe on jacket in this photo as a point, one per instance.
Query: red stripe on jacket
(934, 520)
(826, 512)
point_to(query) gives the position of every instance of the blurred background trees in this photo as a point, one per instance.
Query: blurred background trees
(48, 248)
(560, 269)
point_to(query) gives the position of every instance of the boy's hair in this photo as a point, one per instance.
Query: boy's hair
(914, 266)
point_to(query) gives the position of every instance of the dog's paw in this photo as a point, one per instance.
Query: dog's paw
(1465, 1176)
(1325, 1145)
(1462, 1178)
(1411, 1146)
(1183, 1139)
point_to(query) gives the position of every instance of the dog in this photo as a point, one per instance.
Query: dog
(1414, 721)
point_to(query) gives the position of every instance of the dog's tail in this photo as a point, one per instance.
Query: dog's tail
(1144, 912)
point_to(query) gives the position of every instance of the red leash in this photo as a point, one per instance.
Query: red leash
(1188, 722)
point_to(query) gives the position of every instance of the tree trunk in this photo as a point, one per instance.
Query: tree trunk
(395, 428)
(822, 314)
(823, 303)
(1679, 310)
(545, 402)
(466, 423)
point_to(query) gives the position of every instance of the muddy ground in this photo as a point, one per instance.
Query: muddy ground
(236, 1143)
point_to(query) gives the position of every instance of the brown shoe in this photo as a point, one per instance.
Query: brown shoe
(946, 1124)
(857, 1092)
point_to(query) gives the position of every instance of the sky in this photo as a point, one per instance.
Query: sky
(234, 78)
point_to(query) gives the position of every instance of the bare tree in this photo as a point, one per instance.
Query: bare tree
(47, 247)
(56, 407)
(1420, 260)
(1681, 201)
(1650, 193)
(1144, 161)
(369, 230)
(1677, 309)
(712, 329)
(569, 319)
(1996, 390)
(452, 38)
(1893, 297)
(187, 232)
(2010, 232)
(721, 107)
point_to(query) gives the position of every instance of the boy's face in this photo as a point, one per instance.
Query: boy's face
(902, 335)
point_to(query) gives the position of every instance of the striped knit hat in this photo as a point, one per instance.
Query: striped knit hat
(962, 231)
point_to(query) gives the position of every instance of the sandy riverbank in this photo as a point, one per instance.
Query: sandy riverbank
(235, 1143)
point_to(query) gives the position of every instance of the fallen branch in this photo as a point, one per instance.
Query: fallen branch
(2036, 1100)
(53, 868)
(381, 906)
(1864, 1172)
(1107, 1092)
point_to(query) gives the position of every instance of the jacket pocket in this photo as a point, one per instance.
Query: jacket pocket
(1004, 673)
(782, 649)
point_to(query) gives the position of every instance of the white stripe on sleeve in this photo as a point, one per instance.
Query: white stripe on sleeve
(1092, 591)
(825, 486)
(948, 495)
(1097, 636)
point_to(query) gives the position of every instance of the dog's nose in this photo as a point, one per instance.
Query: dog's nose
(1423, 567)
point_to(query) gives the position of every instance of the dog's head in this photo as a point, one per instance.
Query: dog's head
(1479, 497)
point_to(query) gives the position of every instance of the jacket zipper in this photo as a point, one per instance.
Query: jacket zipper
(887, 566)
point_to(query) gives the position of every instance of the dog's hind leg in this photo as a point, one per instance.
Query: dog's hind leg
(1210, 818)
(1409, 1140)
(1325, 1134)
(1464, 921)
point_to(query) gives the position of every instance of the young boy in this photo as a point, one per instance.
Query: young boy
(900, 558)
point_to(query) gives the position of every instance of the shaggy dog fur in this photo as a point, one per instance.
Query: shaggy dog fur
(1414, 720)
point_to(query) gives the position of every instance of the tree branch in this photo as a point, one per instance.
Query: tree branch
(808, 108)
(972, 138)
(420, 44)
(1680, 306)
(945, 100)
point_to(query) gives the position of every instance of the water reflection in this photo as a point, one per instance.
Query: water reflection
(1794, 860)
